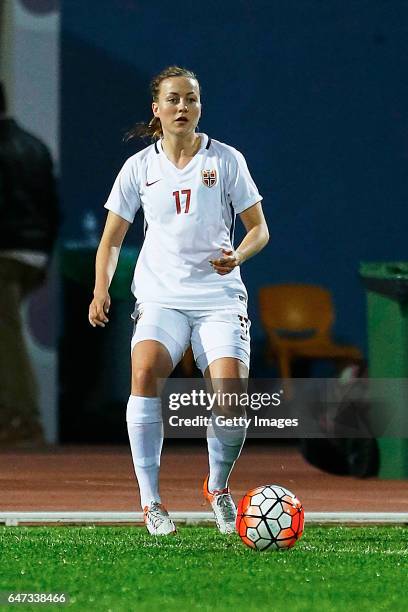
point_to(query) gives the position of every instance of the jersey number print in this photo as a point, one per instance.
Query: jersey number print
(187, 193)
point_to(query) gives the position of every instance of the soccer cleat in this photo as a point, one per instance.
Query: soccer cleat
(223, 507)
(157, 520)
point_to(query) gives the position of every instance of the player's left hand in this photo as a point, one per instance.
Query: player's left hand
(225, 264)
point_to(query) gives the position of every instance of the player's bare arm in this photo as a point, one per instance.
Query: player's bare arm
(255, 240)
(106, 261)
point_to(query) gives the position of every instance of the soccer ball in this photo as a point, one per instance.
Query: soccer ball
(270, 518)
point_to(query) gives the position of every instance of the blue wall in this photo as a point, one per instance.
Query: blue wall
(313, 93)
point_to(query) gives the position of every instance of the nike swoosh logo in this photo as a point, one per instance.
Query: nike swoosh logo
(150, 184)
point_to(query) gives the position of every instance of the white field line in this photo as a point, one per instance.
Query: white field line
(189, 518)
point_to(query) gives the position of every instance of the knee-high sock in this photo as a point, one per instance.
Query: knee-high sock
(224, 447)
(145, 429)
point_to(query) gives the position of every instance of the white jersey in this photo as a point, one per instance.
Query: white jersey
(189, 217)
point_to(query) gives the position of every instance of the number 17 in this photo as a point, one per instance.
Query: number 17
(187, 193)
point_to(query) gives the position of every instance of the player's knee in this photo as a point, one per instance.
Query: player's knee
(144, 381)
(230, 397)
(229, 405)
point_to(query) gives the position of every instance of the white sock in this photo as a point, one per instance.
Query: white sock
(224, 447)
(145, 429)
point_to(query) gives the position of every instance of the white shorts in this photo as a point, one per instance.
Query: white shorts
(212, 333)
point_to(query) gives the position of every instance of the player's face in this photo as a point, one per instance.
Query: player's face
(178, 106)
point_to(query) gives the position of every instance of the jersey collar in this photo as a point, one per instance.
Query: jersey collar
(205, 144)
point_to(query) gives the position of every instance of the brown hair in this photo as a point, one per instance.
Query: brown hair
(153, 128)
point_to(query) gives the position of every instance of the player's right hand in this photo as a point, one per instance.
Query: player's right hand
(98, 310)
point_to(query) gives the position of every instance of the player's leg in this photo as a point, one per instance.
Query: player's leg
(158, 344)
(150, 361)
(221, 344)
(228, 377)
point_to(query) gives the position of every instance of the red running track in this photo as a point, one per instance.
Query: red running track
(101, 479)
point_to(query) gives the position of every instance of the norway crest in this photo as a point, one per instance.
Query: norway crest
(209, 177)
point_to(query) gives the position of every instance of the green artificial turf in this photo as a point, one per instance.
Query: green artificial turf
(123, 568)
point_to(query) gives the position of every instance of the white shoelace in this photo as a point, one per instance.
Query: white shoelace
(156, 515)
(225, 503)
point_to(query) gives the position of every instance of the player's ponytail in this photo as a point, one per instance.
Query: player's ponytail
(153, 129)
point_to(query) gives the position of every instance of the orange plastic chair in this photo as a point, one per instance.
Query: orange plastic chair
(298, 321)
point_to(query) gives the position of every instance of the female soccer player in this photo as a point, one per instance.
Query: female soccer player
(187, 280)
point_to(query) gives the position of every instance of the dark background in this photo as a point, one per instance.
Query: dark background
(314, 93)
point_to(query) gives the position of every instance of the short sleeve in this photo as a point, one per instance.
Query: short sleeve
(241, 188)
(124, 199)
